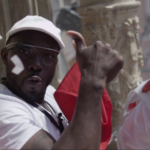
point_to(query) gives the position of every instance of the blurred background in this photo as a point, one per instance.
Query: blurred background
(125, 24)
(63, 14)
(144, 18)
(69, 53)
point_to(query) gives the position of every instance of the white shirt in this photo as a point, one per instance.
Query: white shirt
(134, 130)
(19, 121)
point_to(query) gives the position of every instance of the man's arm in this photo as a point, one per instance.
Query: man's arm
(98, 64)
(41, 140)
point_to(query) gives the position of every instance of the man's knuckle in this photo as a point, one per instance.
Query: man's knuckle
(108, 45)
(98, 44)
(120, 61)
(115, 53)
(118, 58)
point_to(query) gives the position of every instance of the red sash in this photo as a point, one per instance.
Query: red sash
(66, 96)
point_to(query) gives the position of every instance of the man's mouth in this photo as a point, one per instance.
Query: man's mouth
(34, 81)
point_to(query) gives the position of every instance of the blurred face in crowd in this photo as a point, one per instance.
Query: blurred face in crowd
(39, 64)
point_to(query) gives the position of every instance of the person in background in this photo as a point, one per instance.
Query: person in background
(134, 130)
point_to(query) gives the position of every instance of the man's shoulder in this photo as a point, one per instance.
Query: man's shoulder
(5, 91)
(10, 103)
(49, 93)
(49, 97)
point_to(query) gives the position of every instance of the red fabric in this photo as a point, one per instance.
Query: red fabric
(66, 96)
(132, 105)
(146, 88)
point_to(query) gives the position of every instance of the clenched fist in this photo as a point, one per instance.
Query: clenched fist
(98, 63)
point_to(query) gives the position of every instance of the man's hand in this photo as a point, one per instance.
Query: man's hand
(99, 63)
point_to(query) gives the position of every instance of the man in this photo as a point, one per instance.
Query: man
(30, 56)
(134, 130)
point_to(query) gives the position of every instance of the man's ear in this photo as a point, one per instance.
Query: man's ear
(4, 55)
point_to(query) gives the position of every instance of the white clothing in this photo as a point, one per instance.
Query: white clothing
(134, 130)
(19, 121)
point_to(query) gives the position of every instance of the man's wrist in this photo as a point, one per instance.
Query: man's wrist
(93, 81)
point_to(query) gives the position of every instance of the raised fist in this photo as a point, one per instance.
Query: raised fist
(99, 63)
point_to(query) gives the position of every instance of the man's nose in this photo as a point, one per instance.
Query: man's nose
(35, 64)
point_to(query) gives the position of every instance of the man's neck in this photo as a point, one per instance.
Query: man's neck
(39, 101)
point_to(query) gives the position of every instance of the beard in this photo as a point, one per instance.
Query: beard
(32, 96)
(16, 87)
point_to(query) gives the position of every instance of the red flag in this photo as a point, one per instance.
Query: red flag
(66, 96)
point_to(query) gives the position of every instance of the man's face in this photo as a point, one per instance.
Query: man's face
(32, 82)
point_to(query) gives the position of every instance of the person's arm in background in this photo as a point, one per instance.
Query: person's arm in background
(98, 64)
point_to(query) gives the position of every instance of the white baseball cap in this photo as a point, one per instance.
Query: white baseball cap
(39, 24)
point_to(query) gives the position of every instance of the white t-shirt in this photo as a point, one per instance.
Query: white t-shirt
(134, 129)
(19, 121)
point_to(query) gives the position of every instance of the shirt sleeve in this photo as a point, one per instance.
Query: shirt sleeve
(134, 130)
(16, 126)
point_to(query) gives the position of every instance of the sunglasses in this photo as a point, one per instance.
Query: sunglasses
(28, 47)
(26, 51)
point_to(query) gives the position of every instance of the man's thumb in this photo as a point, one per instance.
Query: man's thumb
(78, 39)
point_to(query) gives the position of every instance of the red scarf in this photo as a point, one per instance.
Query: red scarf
(66, 96)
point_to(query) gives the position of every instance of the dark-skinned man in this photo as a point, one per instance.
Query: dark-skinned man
(30, 56)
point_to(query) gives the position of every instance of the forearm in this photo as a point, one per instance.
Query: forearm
(85, 129)
(88, 114)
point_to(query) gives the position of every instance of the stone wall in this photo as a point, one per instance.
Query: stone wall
(116, 22)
